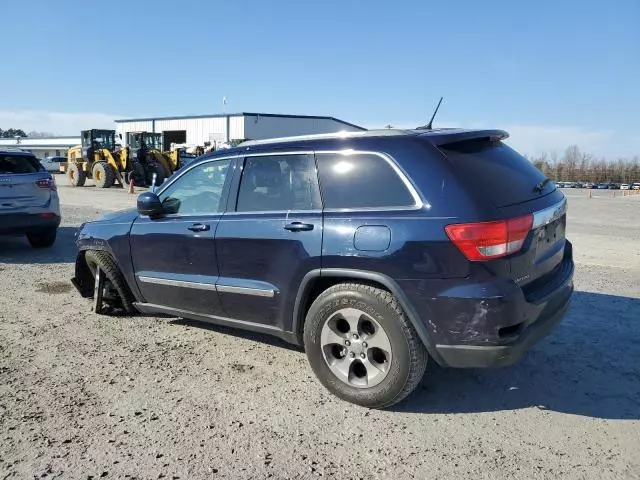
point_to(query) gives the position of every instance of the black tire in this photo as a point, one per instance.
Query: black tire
(43, 239)
(409, 356)
(122, 299)
(138, 174)
(104, 175)
(156, 168)
(77, 177)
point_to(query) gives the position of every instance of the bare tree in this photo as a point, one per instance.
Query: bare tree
(577, 166)
(35, 134)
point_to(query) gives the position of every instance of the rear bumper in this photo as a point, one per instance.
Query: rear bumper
(493, 324)
(22, 223)
(480, 356)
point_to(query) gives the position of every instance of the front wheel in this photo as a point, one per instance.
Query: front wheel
(156, 168)
(115, 295)
(362, 347)
(104, 175)
(76, 174)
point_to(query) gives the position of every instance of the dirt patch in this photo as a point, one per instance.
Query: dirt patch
(240, 368)
(53, 288)
(217, 403)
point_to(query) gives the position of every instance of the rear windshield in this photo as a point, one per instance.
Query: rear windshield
(506, 176)
(19, 164)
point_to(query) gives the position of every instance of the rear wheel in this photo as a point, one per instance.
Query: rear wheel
(76, 175)
(115, 296)
(104, 175)
(138, 174)
(156, 168)
(43, 239)
(362, 347)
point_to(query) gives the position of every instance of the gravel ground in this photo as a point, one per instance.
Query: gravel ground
(85, 396)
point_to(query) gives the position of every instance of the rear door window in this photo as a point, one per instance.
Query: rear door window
(361, 180)
(19, 164)
(279, 183)
(500, 172)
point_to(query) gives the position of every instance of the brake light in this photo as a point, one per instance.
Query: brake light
(47, 183)
(488, 240)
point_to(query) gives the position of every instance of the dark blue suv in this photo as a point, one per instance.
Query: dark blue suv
(374, 250)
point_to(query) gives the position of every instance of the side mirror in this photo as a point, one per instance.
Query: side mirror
(149, 204)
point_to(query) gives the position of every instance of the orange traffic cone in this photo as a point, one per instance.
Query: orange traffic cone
(589, 193)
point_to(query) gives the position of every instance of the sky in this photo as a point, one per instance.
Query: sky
(552, 73)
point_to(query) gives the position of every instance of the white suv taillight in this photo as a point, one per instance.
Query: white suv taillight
(487, 240)
(49, 183)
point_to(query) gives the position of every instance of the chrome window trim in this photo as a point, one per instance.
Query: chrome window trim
(417, 201)
(549, 214)
(289, 213)
(276, 153)
(177, 283)
(257, 292)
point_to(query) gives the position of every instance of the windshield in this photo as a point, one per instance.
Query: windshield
(99, 139)
(153, 140)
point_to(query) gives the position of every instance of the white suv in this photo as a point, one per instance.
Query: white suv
(29, 203)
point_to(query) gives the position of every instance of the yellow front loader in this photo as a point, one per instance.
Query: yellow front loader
(98, 158)
(145, 149)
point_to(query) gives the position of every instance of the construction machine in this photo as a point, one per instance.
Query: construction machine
(145, 152)
(100, 157)
(145, 148)
(97, 157)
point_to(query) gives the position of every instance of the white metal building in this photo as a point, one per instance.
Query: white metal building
(42, 147)
(197, 130)
(222, 128)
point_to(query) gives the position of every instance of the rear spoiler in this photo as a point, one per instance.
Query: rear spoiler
(444, 137)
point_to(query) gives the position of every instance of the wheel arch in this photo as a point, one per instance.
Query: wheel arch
(83, 278)
(316, 281)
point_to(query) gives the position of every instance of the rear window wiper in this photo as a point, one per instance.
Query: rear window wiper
(539, 187)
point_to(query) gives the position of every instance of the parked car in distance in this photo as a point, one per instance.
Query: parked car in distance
(635, 186)
(349, 245)
(614, 186)
(29, 203)
(624, 186)
(577, 185)
(52, 164)
(603, 186)
(589, 185)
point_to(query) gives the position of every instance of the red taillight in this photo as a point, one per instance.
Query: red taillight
(487, 240)
(46, 183)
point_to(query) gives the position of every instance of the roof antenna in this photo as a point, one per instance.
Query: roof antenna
(429, 126)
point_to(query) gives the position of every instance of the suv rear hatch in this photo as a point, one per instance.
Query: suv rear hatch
(528, 244)
(23, 183)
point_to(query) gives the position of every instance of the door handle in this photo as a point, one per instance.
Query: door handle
(199, 227)
(298, 227)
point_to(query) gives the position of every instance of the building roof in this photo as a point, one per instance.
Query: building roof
(240, 114)
(41, 142)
